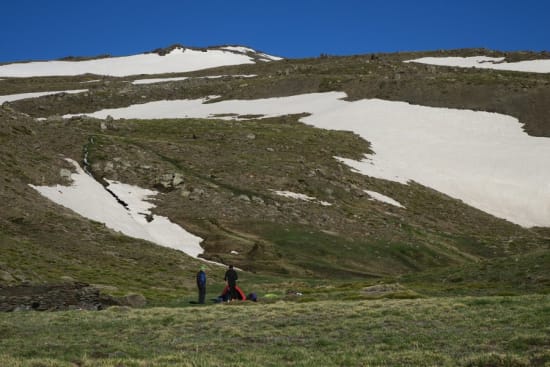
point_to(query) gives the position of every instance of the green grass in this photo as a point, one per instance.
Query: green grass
(513, 275)
(459, 331)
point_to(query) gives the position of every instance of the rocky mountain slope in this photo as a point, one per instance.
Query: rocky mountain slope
(218, 178)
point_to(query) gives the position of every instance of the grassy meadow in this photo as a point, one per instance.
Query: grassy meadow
(446, 331)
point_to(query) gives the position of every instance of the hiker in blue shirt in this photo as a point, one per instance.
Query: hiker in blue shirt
(201, 283)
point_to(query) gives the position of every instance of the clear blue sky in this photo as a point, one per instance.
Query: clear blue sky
(49, 29)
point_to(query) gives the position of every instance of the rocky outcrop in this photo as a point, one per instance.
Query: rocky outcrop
(53, 297)
(169, 181)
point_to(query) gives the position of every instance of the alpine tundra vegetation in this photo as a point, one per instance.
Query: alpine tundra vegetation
(386, 209)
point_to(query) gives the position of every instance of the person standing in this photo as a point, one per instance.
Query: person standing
(231, 279)
(201, 284)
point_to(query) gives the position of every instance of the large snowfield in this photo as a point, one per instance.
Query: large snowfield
(178, 60)
(485, 62)
(484, 159)
(89, 198)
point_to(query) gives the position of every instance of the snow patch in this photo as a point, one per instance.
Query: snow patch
(245, 50)
(161, 80)
(294, 195)
(89, 198)
(16, 97)
(178, 60)
(485, 62)
(241, 49)
(383, 198)
(270, 57)
(158, 80)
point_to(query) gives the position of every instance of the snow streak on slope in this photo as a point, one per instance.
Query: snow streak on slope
(295, 195)
(175, 79)
(16, 97)
(484, 159)
(178, 60)
(159, 80)
(88, 198)
(484, 62)
(245, 50)
(383, 198)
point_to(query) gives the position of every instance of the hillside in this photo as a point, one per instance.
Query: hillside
(224, 179)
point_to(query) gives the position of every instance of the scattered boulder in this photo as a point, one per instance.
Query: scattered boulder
(258, 200)
(132, 300)
(169, 181)
(196, 194)
(244, 198)
(109, 167)
(65, 174)
(6, 277)
(177, 180)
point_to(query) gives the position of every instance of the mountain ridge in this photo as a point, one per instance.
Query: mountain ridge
(255, 55)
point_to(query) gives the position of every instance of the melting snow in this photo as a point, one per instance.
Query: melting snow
(271, 57)
(238, 49)
(294, 195)
(383, 198)
(161, 80)
(485, 62)
(16, 97)
(89, 198)
(179, 60)
(247, 49)
(484, 159)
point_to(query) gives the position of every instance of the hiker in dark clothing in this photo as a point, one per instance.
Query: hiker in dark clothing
(231, 279)
(201, 284)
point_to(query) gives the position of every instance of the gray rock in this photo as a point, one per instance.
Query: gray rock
(170, 180)
(244, 198)
(177, 179)
(65, 173)
(197, 194)
(6, 277)
(133, 300)
(258, 200)
(53, 297)
(109, 167)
